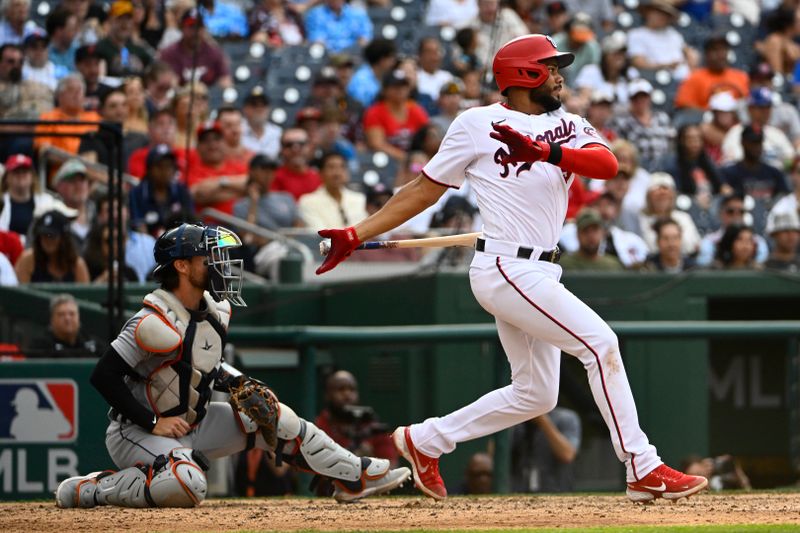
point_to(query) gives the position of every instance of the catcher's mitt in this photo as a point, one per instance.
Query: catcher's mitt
(253, 399)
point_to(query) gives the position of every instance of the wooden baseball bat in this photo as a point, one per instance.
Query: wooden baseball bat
(464, 239)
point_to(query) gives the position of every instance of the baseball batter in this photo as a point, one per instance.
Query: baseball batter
(158, 376)
(520, 157)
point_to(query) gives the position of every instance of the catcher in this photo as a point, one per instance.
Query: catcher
(158, 375)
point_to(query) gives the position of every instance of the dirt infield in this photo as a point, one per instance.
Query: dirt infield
(410, 513)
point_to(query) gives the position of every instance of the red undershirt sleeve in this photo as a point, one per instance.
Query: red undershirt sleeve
(592, 161)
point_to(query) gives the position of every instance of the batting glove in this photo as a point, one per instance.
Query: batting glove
(343, 242)
(521, 148)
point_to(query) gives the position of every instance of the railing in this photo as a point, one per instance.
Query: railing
(308, 338)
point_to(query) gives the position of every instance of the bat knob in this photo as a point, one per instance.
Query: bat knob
(324, 247)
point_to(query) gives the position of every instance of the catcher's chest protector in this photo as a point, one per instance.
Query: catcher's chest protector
(181, 386)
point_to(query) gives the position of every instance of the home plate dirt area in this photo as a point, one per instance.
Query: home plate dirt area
(410, 513)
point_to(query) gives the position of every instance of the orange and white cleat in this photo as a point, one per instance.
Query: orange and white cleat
(665, 482)
(425, 469)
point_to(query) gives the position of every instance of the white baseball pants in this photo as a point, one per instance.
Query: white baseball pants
(537, 318)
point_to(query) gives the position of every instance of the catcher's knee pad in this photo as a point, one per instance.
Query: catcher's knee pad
(175, 480)
(179, 479)
(288, 423)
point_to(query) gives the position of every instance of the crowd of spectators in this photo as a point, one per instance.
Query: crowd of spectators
(706, 129)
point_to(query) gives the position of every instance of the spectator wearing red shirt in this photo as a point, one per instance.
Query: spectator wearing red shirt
(161, 129)
(295, 176)
(354, 426)
(390, 123)
(213, 180)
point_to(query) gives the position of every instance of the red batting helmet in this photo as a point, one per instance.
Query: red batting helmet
(519, 62)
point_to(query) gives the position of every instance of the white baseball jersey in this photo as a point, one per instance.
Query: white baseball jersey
(523, 203)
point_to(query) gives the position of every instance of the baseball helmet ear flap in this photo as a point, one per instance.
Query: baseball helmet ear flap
(518, 63)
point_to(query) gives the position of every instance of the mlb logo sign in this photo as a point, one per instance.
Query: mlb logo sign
(38, 410)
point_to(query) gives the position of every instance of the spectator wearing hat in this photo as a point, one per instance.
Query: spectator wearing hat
(259, 135)
(230, 122)
(21, 200)
(266, 208)
(338, 25)
(332, 204)
(784, 116)
(214, 180)
(449, 104)
(87, 63)
(716, 76)
(71, 182)
(657, 44)
(557, 14)
(599, 113)
(62, 28)
(122, 55)
(612, 74)
(161, 129)
(160, 196)
(778, 151)
(649, 130)
(591, 235)
(64, 336)
(365, 85)
(295, 174)
(308, 119)
(579, 39)
(784, 230)
(430, 76)
(456, 14)
(212, 66)
(37, 66)
(669, 257)
(390, 123)
(52, 256)
(223, 19)
(327, 91)
(20, 99)
(752, 175)
(790, 202)
(16, 23)
(496, 25)
(275, 23)
(160, 82)
(660, 204)
(724, 116)
(730, 212)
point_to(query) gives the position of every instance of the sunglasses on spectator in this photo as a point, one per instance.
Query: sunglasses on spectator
(292, 144)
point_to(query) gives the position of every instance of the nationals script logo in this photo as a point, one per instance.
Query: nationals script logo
(562, 133)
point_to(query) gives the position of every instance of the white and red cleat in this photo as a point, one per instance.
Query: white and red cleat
(425, 469)
(665, 482)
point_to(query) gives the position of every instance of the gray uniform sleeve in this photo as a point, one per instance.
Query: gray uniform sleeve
(125, 343)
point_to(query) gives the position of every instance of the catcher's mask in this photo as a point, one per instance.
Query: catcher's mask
(214, 243)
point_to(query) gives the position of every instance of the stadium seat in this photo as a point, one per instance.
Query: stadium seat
(376, 167)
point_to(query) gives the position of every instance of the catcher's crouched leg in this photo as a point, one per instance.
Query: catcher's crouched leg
(174, 480)
(353, 477)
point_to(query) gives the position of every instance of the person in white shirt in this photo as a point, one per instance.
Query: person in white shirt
(259, 135)
(455, 13)
(332, 204)
(8, 276)
(430, 76)
(496, 26)
(37, 66)
(657, 45)
(16, 23)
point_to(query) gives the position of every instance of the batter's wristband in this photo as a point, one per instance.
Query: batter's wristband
(555, 154)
